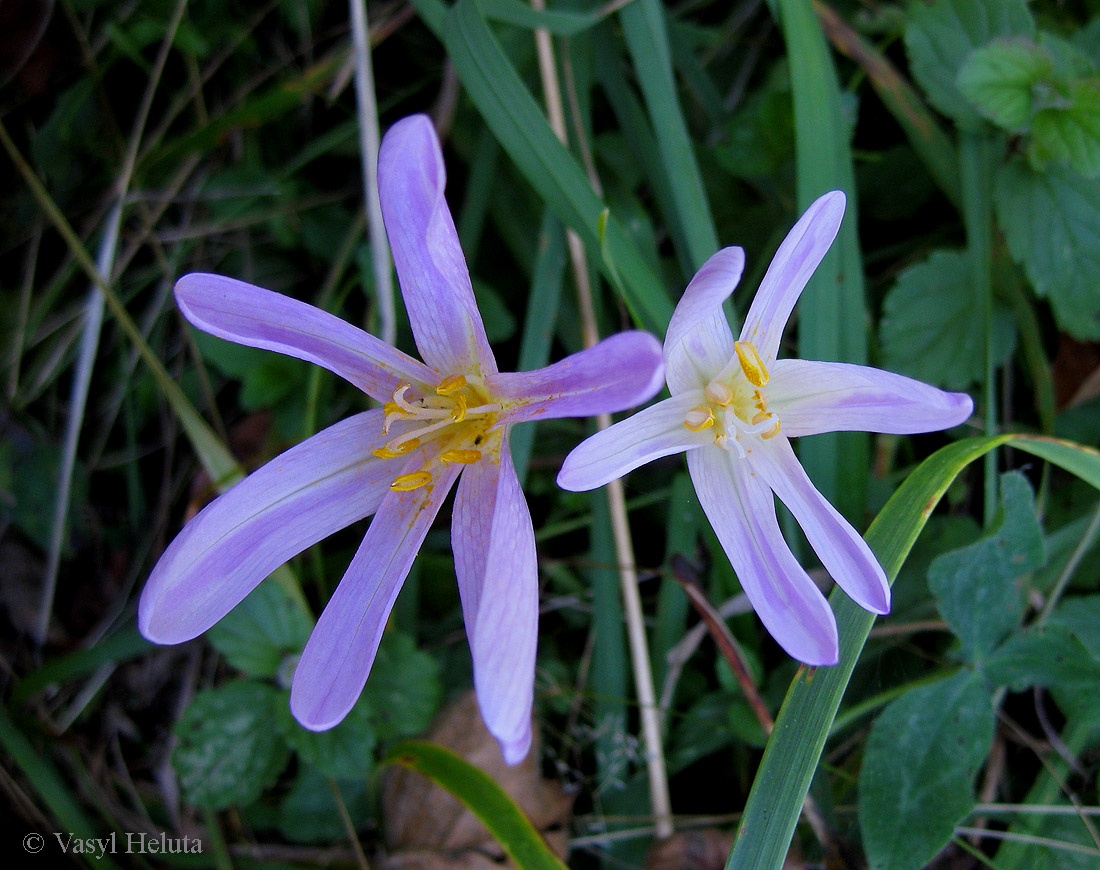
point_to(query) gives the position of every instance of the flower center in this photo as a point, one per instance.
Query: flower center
(736, 402)
(457, 414)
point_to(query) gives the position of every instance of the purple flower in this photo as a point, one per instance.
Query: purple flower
(444, 420)
(733, 408)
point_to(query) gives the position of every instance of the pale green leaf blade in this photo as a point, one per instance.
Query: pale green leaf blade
(998, 79)
(262, 632)
(1070, 135)
(483, 797)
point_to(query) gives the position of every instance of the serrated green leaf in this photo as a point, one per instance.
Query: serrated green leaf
(258, 635)
(1070, 134)
(403, 690)
(999, 78)
(927, 330)
(228, 752)
(976, 588)
(917, 779)
(940, 37)
(1051, 221)
(346, 750)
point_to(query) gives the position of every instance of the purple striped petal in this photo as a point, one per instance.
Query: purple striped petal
(698, 343)
(250, 315)
(741, 510)
(314, 489)
(814, 397)
(338, 656)
(494, 547)
(435, 281)
(790, 270)
(650, 434)
(618, 373)
(840, 548)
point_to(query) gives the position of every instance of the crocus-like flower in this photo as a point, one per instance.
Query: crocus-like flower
(441, 422)
(733, 408)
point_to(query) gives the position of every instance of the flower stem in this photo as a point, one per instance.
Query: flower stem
(660, 803)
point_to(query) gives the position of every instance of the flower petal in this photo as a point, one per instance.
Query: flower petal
(312, 490)
(494, 547)
(812, 397)
(618, 373)
(435, 281)
(840, 548)
(339, 654)
(650, 434)
(790, 269)
(250, 315)
(742, 512)
(698, 343)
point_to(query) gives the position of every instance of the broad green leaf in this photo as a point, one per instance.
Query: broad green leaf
(346, 750)
(228, 752)
(806, 718)
(1053, 657)
(480, 794)
(978, 587)
(917, 778)
(941, 35)
(1082, 617)
(999, 79)
(309, 814)
(260, 633)
(403, 690)
(1069, 134)
(1051, 221)
(927, 330)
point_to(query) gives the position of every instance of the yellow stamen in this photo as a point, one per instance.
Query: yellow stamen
(393, 408)
(751, 364)
(451, 384)
(718, 392)
(387, 451)
(698, 419)
(466, 457)
(459, 412)
(412, 480)
(771, 433)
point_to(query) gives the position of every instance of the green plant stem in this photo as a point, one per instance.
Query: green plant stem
(977, 199)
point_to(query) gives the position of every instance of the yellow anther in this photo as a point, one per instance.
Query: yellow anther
(459, 412)
(398, 449)
(698, 419)
(412, 480)
(719, 393)
(751, 364)
(393, 408)
(466, 457)
(451, 384)
(771, 433)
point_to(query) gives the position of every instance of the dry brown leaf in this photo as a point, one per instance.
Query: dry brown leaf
(427, 828)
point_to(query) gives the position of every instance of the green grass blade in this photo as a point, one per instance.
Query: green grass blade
(812, 701)
(647, 38)
(483, 797)
(832, 319)
(523, 131)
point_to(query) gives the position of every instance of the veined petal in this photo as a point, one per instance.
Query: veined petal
(841, 549)
(742, 512)
(653, 432)
(812, 397)
(312, 490)
(618, 373)
(698, 343)
(250, 315)
(339, 654)
(435, 281)
(790, 269)
(494, 547)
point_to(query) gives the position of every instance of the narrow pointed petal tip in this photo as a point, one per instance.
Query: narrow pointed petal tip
(515, 749)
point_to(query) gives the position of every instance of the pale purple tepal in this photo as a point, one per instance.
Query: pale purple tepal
(733, 409)
(442, 421)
